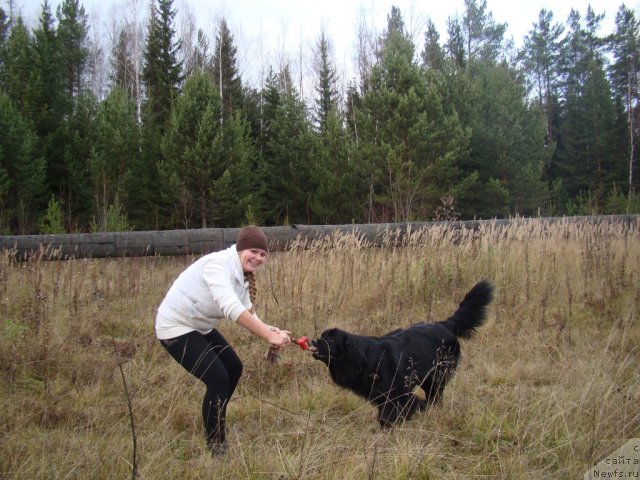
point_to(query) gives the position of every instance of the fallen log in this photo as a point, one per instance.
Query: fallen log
(205, 240)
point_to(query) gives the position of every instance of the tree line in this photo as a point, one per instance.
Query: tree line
(467, 127)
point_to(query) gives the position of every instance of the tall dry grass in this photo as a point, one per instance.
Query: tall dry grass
(548, 387)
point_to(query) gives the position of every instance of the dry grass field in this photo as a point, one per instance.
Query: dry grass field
(548, 387)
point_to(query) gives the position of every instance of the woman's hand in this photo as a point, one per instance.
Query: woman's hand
(276, 337)
(279, 338)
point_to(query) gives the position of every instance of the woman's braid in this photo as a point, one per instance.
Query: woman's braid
(272, 354)
(251, 278)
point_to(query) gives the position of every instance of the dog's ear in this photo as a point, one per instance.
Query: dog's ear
(353, 354)
(348, 360)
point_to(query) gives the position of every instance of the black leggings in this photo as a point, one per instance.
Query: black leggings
(211, 359)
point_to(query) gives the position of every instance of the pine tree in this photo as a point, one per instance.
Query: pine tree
(483, 37)
(49, 104)
(455, 46)
(433, 53)
(338, 188)
(4, 31)
(409, 141)
(22, 174)
(77, 137)
(541, 55)
(18, 65)
(606, 153)
(161, 72)
(284, 146)
(586, 160)
(507, 147)
(205, 170)
(501, 168)
(326, 101)
(581, 47)
(115, 149)
(333, 173)
(625, 75)
(225, 71)
(161, 79)
(72, 40)
(589, 160)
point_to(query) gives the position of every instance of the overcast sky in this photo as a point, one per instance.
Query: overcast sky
(267, 29)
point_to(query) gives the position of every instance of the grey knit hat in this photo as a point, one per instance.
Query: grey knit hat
(251, 237)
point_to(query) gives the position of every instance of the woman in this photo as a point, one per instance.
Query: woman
(218, 285)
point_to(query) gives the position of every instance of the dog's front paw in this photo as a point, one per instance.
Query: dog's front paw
(421, 404)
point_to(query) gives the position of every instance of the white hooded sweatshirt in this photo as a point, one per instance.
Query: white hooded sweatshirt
(210, 289)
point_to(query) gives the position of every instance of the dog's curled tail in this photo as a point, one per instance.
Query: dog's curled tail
(472, 311)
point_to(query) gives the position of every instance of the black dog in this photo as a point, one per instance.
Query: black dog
(385, 370)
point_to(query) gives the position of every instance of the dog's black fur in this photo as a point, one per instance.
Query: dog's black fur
(385, 370)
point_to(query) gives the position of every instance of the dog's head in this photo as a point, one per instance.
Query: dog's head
(327, 345)
(339, 350)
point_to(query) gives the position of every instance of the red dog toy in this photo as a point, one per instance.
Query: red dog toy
(303, 343)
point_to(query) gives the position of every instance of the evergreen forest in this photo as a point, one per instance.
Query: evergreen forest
(464, 126)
